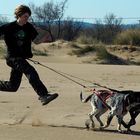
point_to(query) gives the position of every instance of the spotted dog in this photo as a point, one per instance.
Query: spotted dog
(117, 102)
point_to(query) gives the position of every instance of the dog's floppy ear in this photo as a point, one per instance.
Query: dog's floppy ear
(127, 99)
(131, 98)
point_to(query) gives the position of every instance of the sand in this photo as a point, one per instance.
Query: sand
(23, 117)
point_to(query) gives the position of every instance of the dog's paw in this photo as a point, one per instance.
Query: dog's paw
(87, 124)
(122, 131)
(93, 125)
(101, 128)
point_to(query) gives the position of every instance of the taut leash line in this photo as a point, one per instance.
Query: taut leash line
(60, 73)
(66, 76)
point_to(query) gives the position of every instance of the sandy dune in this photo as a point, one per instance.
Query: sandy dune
(24, 118)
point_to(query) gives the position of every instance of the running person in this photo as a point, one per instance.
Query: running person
(18, 36)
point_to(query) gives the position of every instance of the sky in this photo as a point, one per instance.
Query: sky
(86, 10)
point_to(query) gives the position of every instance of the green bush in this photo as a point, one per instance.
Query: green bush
(39, 52)
(83, 51)
(101, 52)
(128, 37)
(84, 39)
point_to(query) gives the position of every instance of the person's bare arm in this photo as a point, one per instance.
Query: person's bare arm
(42, 37)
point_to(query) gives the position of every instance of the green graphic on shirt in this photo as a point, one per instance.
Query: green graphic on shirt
(20, 34)
(20, 37)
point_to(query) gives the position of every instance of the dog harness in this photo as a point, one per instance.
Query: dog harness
(103, 96)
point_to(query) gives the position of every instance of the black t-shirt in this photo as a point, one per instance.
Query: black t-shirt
(18, 39)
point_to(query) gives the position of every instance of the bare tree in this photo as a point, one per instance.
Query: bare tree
(107, 30)
(48, 16)
(71, 29)
(112, 26)
(3, 19)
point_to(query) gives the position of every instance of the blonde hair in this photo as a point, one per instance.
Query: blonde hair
(21, 9)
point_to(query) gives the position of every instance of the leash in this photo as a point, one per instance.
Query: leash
(66, 75)
(58, 72)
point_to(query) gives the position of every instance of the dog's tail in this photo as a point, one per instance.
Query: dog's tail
(85, 100)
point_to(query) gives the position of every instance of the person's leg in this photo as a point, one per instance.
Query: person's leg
(34, 80)
(14, 82)
(23, 66)
(38, 86)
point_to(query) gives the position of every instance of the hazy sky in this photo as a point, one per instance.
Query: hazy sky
(85, 8)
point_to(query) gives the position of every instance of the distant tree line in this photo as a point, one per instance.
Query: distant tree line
(49, 21)
(50, 17)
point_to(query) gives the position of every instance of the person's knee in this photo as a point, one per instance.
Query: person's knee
(13, 87)
(31, 74)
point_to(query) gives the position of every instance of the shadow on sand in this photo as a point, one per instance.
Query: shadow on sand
(135, 133)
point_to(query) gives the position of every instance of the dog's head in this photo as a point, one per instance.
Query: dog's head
(132, 99)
